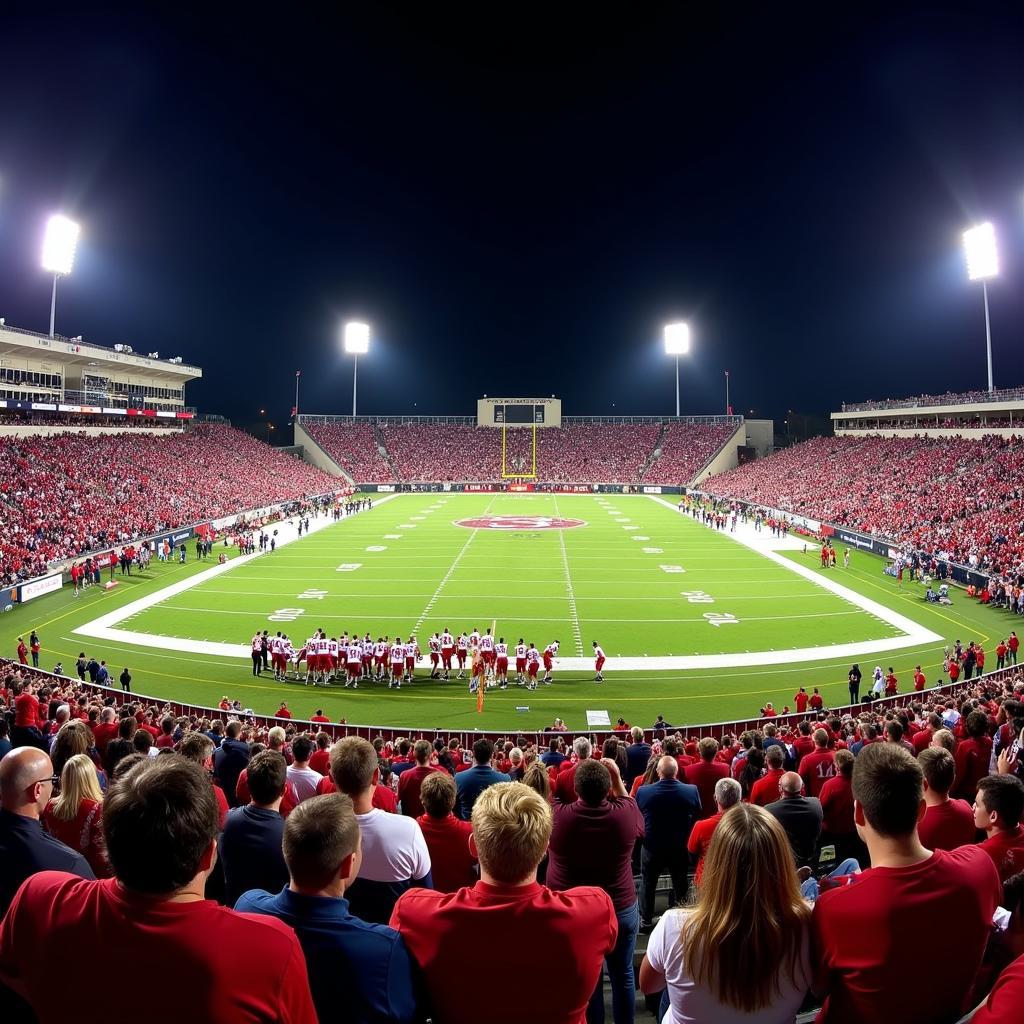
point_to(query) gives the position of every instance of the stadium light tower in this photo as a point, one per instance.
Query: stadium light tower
(983, 263)
(59, 246)
(677, 343)
(357, 341)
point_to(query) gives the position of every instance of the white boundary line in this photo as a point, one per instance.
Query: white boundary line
(915, 635)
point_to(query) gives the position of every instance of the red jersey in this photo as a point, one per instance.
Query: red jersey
(816, 768)
(867, 938)
(1007, 852)
(451, 863)
(947, 826)
(568, 934)
(700, 840)
(236, 968)
(837, 804)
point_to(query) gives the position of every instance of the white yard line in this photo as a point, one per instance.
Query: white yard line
(576, 632)
(447, 576)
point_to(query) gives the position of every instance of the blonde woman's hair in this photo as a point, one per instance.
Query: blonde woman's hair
(511, 828)
(78, 782)
(537, 778)
(749, 924)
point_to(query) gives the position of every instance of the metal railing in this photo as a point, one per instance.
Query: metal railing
(923, 401)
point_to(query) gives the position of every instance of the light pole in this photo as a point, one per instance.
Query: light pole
(357, 341)
(983, 263)
(677, 343)
(59, 244)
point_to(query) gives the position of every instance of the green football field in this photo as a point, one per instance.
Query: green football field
(653, 587)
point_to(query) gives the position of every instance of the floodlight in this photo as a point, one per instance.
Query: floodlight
(357, 337)
(980, 252)
(677, 339)
(59, 244)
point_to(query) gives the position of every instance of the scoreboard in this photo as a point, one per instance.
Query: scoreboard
(519, 412)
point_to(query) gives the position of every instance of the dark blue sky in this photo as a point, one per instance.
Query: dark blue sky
(518, 202)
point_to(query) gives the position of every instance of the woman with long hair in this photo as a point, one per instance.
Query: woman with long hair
(650, 775)
(76, 816)
(741, 952)
(74, 737)
(751, 771)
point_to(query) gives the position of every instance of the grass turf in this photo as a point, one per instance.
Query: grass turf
(593, 582)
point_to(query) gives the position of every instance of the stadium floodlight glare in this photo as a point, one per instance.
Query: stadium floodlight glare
(59, 244)
(357, 341)
(677, 343)
(982, 263)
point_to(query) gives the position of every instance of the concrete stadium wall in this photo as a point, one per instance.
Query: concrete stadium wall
(726, 457)
(316, 456)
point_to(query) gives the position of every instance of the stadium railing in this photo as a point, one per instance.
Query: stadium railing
(466, 737)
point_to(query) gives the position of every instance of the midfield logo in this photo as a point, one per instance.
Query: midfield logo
(519, 523)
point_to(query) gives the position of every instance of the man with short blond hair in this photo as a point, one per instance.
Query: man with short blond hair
(566, 935)
(395, 857)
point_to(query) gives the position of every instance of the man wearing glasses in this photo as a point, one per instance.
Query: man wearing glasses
(26, 784)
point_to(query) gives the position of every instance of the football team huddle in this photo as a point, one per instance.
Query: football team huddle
(363, 659)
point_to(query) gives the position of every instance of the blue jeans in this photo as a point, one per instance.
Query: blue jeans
(619, 963)
(809, 889)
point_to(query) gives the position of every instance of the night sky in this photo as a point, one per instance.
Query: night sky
(518, 203)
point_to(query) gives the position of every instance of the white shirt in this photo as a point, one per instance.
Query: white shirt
(393, 847)
(692, 1003)
(304, 780)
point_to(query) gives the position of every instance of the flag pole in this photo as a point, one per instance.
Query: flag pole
(298, 373)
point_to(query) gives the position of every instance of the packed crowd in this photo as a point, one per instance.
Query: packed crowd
(578, 453)
(806, 866)
(354, 447)
(685, 451)
(69, 494)
(960, 499)
(948, 398)
(80, 421)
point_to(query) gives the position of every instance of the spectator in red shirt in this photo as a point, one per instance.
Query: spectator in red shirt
(452, 863)
(766, 790)
(706, 773)
(972, 756)
(568, 934)
(800, 700)
(836, 797)
(998, 808)
(410, 781)
(592, 843)
(26, 731)
(817, 767)
(816, 702)
(320, 761)
(161, 828)
(565, 787)
(75, 817)
(923, 738)
(947, 823)
(727, 794)
(803, 744)
(867, 935)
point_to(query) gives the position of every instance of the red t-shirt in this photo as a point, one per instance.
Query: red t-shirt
(921, 740)
(700, 840)
(26, 711)
(704, 775)
(234, 967)
(565, 785)
(972, 758)
(816, 768)
(409, 783)
(567, 933)
(867, 938)
(1006, 998)
(451, 863)
(104, 733)
(320, 761)
(766, 790)
(800, 700)
(1007, 852)
(383, 799)
(837, 805)
(947, 826)
(802, 746)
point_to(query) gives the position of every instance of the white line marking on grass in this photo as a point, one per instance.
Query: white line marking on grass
(577, 634)
(447, 576)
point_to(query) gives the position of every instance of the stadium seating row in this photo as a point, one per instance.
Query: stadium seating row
(587, 453)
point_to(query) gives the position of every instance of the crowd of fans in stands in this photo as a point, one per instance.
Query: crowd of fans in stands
(379, 876)
(68, 494)
(960, 499)
(578, 453)
(948, 398)
(80, 421)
